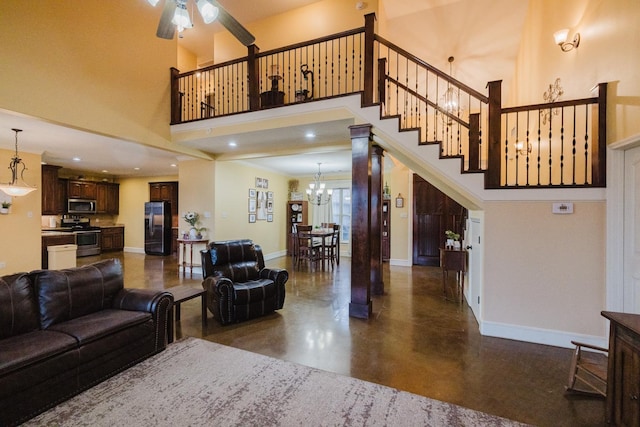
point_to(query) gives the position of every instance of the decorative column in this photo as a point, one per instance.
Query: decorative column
(360, 305)
(375, 231)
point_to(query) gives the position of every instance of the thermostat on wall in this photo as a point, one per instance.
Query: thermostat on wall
(563, 208)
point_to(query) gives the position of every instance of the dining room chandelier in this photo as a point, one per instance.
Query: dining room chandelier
(17, 186)
(317, 193)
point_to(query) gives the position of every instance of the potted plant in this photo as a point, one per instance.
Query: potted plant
(4, 207)
(452, 240)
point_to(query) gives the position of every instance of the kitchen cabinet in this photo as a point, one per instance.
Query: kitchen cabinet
(112, 239)
(54, 191)
(166, 192)
(82, 190)
(58, 239)
(623, 372)
(108, 200)
(297, 213)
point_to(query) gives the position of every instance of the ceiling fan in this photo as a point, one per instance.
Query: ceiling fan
(175, 15)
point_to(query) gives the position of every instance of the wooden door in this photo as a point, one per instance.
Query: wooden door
(433, 213)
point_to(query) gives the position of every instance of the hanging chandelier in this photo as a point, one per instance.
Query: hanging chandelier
(17, 187)
(450, 101)
(317, 193)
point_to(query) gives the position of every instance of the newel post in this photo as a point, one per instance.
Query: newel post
(494, 163)
(253, 72)
(599, 160)
(176, 97)
(369, 37)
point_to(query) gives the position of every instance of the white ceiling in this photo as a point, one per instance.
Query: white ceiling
(59, 145)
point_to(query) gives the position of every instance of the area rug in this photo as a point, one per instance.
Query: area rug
(200, 383)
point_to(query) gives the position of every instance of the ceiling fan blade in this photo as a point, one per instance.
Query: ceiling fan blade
(234, 27)
(166, 28)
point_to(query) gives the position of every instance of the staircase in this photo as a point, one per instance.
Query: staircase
(459, 139)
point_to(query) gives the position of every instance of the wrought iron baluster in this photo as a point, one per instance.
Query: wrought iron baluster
(562, 146)
(550, 143)
(539, 158)
(573, 146)
(586, 145)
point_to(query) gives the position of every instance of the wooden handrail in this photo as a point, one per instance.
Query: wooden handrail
(550, 105)
(312, 42)
(434, 70)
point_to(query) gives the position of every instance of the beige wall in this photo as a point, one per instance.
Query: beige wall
(305, 23)
(21, 237)
(608, 52)
(71, 63)
(399, 179)
(545, 270)
(232, 183)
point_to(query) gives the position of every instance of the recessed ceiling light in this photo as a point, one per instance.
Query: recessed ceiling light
(310, 135)
(104, 171)
(173, 165)
(136, 169)
(233, 144)
(76, 159)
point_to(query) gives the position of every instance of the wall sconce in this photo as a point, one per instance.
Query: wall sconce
(561, 37)
(521, 149)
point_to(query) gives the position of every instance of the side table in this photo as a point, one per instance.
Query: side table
(189, 242)
(453, 260)
(181, 294)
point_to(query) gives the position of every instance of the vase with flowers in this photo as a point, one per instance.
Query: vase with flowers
(193, 219)
(453, 240)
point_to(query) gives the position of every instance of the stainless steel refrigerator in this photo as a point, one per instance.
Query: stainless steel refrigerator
(157, 228)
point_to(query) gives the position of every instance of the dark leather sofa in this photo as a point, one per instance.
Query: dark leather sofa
(238, 285)
(62, 331)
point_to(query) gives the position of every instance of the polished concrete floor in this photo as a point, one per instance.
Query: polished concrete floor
(415, 341)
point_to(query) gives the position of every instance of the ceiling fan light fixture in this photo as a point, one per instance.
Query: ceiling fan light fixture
(207, 10)
(181, 17)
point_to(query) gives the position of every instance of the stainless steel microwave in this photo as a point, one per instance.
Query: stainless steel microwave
(81, 206)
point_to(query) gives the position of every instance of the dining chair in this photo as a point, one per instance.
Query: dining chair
(305, 249)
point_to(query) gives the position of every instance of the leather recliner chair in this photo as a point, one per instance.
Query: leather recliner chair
(238, 285)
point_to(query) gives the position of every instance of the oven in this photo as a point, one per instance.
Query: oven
(87, 237)
(88, 242)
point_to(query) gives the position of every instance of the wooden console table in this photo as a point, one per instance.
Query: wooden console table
(190, 243)
(453, 260)
(623, 372)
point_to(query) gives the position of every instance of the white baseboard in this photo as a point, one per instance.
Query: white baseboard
(274, 255)
(401, 262)
(538, 335)
(133, 250)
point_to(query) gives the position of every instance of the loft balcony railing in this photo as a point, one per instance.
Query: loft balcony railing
(560, 144)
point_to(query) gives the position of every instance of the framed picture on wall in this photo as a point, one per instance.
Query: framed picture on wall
(259, 182)
(252, 206)
(252, 217)
(252, 193)
(269, 195)
(270, 206)
(269, 217)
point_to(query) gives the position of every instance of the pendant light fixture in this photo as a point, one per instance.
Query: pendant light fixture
(17, 186)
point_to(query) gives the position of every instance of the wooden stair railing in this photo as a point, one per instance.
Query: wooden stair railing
(515, 147)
